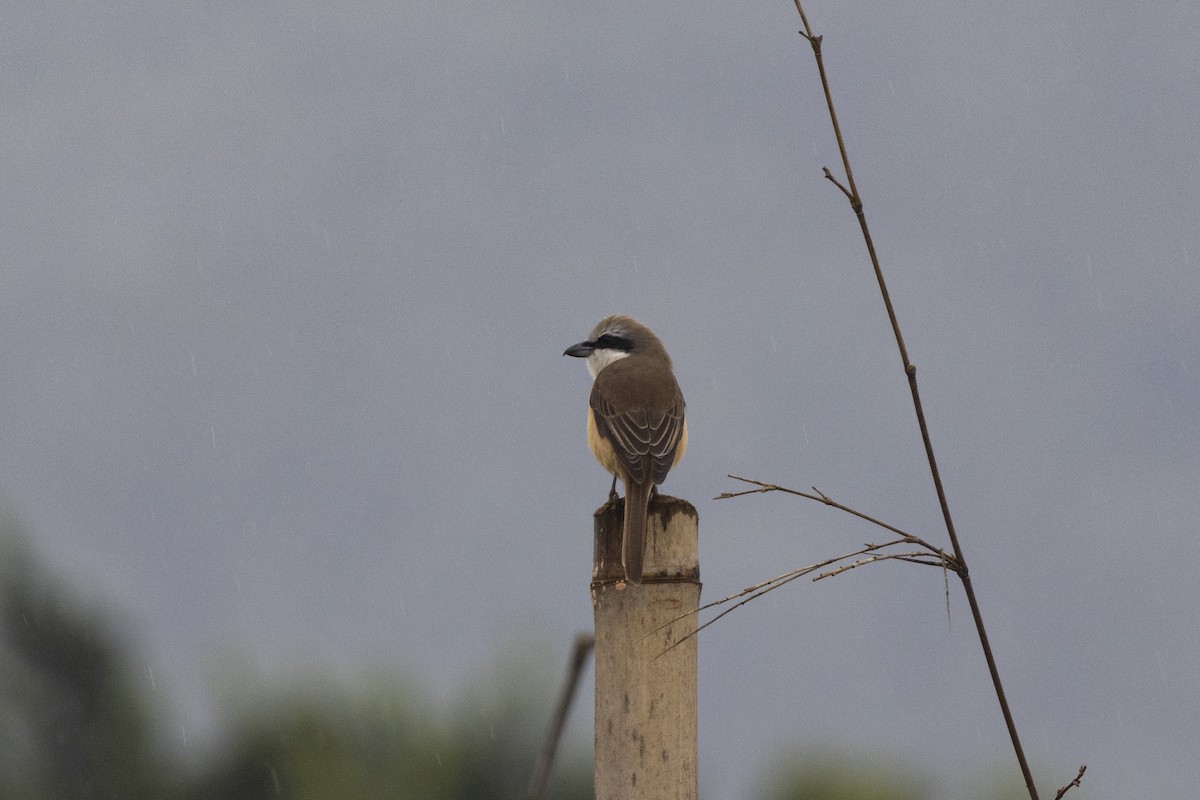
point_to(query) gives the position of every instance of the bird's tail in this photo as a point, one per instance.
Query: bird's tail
(637, 503)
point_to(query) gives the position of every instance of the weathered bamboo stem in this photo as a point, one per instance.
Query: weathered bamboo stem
(646, 688)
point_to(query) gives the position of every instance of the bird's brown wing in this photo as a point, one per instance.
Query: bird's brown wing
(644, 439)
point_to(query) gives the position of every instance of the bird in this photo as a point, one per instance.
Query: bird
(635, 421)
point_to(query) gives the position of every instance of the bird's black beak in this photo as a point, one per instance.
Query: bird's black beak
(581, 350)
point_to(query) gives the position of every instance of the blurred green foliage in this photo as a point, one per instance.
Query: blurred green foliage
(317, 742)
(73, 725)
(834, 776)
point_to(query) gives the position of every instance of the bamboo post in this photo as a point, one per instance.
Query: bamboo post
(645, 683)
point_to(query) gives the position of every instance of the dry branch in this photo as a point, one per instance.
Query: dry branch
(1072, 784)
(954, 560)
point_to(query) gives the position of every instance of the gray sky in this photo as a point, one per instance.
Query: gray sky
(285, 293)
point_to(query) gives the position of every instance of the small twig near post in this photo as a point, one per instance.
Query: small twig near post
(545, 762)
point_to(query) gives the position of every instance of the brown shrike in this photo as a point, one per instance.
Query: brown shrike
(635, 425)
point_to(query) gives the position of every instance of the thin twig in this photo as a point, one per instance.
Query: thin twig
(915, 558)
(1072, 784)
(759, 589)
(829, 177)
(545, 762)
(946, 586)
(819, 497)
(933, 556)
(947, 558)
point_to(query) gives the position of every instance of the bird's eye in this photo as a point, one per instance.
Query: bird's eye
(611, 341)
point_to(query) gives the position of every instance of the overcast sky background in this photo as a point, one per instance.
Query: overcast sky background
(285, 291)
